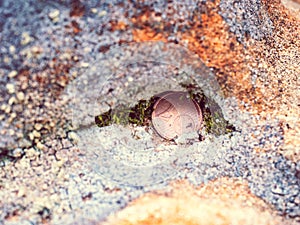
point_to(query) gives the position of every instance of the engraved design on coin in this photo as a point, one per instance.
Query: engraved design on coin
(174, 114)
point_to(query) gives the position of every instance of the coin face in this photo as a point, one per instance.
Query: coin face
(174, 114)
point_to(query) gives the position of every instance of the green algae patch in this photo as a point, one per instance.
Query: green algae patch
(213, 119)
(140, 114)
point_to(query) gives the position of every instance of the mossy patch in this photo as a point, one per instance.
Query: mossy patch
(140, 114)
(214, 121)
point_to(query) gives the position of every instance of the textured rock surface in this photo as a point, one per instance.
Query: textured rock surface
(204, 206)
(64, 62)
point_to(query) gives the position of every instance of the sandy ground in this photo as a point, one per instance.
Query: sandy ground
(65, 62)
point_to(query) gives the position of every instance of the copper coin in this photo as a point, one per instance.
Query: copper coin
(174, 114)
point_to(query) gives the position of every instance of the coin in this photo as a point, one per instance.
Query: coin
(174, 114)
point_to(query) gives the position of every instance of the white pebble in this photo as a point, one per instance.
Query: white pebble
(40, 146)
(25, 38)
(10, 88)
(12, 49)
(12, 100)
(36, 134)
(94, 10)
(20, 96)
(84, 64)
(102, 13)
(12, 74)
(53, 15)
(74, 137)
(38, 126)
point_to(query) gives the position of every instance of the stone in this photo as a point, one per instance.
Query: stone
(12, 100)
(20, 96)
(7, 109)
(54, 15)
(12, 49)
(12, 74)
(10, 88)
(38, 126)
(94, 10)
(25, 39)
(73, 137)
(102, 13)
(40, 146)
(85, 64)
(36, 134)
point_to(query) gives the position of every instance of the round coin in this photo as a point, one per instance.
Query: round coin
(174, 114)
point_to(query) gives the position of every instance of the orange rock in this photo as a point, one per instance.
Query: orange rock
(223, 201)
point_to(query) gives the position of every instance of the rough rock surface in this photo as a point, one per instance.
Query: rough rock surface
(64, 62)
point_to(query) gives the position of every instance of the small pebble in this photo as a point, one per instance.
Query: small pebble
(3, 107)
(7, 109)
(12, 100)
(102, 13)
(6, 60)
(10, 88)
(11, 132)
(36, 134)
(40, 146)
(74, 137)
(12, 49)
(12, 74)
(84, 64)
(53, 15)
(38, 126)
(94, 10)
(20, 96)
(31, 136)
(13, 115)
(26, 39)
